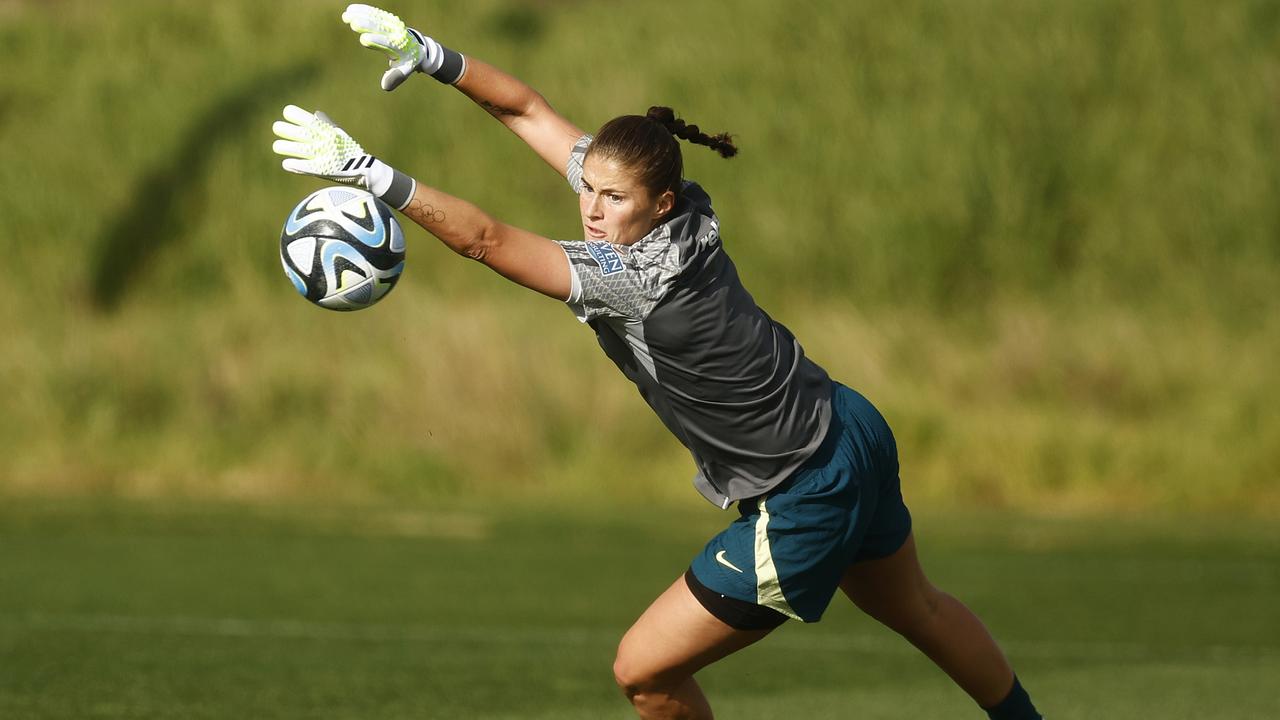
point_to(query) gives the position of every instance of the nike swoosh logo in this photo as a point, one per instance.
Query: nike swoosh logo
(720, 559)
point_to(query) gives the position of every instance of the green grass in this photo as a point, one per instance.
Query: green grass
(198, 611)
(1042, 236)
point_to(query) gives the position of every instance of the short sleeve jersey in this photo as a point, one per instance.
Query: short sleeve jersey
(729, 382)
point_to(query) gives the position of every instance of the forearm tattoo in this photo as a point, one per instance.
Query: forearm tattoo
(497, 110)
(423, 212)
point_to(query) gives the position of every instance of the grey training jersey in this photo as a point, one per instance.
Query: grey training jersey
(730, 383)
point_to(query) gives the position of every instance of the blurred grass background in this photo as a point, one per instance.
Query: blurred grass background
(1043, 237)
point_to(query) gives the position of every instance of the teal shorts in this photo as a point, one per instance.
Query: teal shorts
(784, 555)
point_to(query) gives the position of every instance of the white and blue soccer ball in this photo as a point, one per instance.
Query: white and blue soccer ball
(342, 248)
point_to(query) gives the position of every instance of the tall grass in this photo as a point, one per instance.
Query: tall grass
(1044, 237)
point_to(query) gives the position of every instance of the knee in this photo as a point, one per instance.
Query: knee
(638, 680)
(914, 617)
(931, 602)
(630, 677)
(626, 679)
(925, 614)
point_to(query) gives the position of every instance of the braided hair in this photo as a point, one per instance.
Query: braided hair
(722, 143)
(646, 145)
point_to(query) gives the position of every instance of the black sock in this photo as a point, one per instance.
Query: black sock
(1015, 706)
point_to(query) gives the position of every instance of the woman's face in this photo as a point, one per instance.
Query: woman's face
(615, 208)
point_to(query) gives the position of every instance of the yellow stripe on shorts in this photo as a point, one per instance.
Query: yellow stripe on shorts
(768, 589)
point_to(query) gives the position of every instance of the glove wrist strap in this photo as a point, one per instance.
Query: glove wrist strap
(400, 191)
(452, 68)
(390, 185)
(447, 66)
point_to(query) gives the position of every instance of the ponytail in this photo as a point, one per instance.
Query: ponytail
(647, 146)
(722, 143)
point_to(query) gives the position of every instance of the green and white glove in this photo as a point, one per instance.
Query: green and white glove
(407, 49)
(314, 145)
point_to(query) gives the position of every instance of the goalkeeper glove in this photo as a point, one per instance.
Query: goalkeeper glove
(407, 49)
(314, 145)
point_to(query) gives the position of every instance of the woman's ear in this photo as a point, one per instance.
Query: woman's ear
(666, 201)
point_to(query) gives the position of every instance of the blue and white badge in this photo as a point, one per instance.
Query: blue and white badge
(606, 257)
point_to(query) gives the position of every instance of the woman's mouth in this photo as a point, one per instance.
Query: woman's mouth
(594, 233)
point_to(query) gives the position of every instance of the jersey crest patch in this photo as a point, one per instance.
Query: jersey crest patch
(606, 257)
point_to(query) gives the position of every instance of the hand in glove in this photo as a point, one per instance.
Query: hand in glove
(407, 49)
(314, 145)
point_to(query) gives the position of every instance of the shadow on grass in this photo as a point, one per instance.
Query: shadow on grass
(164, 199)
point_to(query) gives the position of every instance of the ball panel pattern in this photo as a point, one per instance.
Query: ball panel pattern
(342, 248)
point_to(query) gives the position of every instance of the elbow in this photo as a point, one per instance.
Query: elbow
(482, 243)
(538, 104)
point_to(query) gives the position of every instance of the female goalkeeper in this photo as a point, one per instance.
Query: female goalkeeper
(811, 464)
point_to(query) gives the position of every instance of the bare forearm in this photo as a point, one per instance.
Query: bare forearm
(458, 224)
(521, 256)
(523, 110)
(503, 96)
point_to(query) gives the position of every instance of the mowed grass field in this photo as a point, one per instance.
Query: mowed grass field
(198, 611)
(1042, 237)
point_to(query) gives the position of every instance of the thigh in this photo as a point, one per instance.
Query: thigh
(893, 589)
(676, 636)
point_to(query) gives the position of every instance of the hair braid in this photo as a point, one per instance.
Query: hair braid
(649, 146)
(721, 143)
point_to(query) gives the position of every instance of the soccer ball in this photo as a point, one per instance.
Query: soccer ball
(342, 248)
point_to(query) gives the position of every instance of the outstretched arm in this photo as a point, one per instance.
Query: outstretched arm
(521, 256)
(314, 145)
(523, 110)
(518, 106)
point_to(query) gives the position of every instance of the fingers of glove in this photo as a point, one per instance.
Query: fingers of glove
(298, 167)
(358, 15)
(289, 131)
(298, 116)
(335, 133)
(392, 78)
(288, 148)
(352, 10)
(368, 19)
(380, 42)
